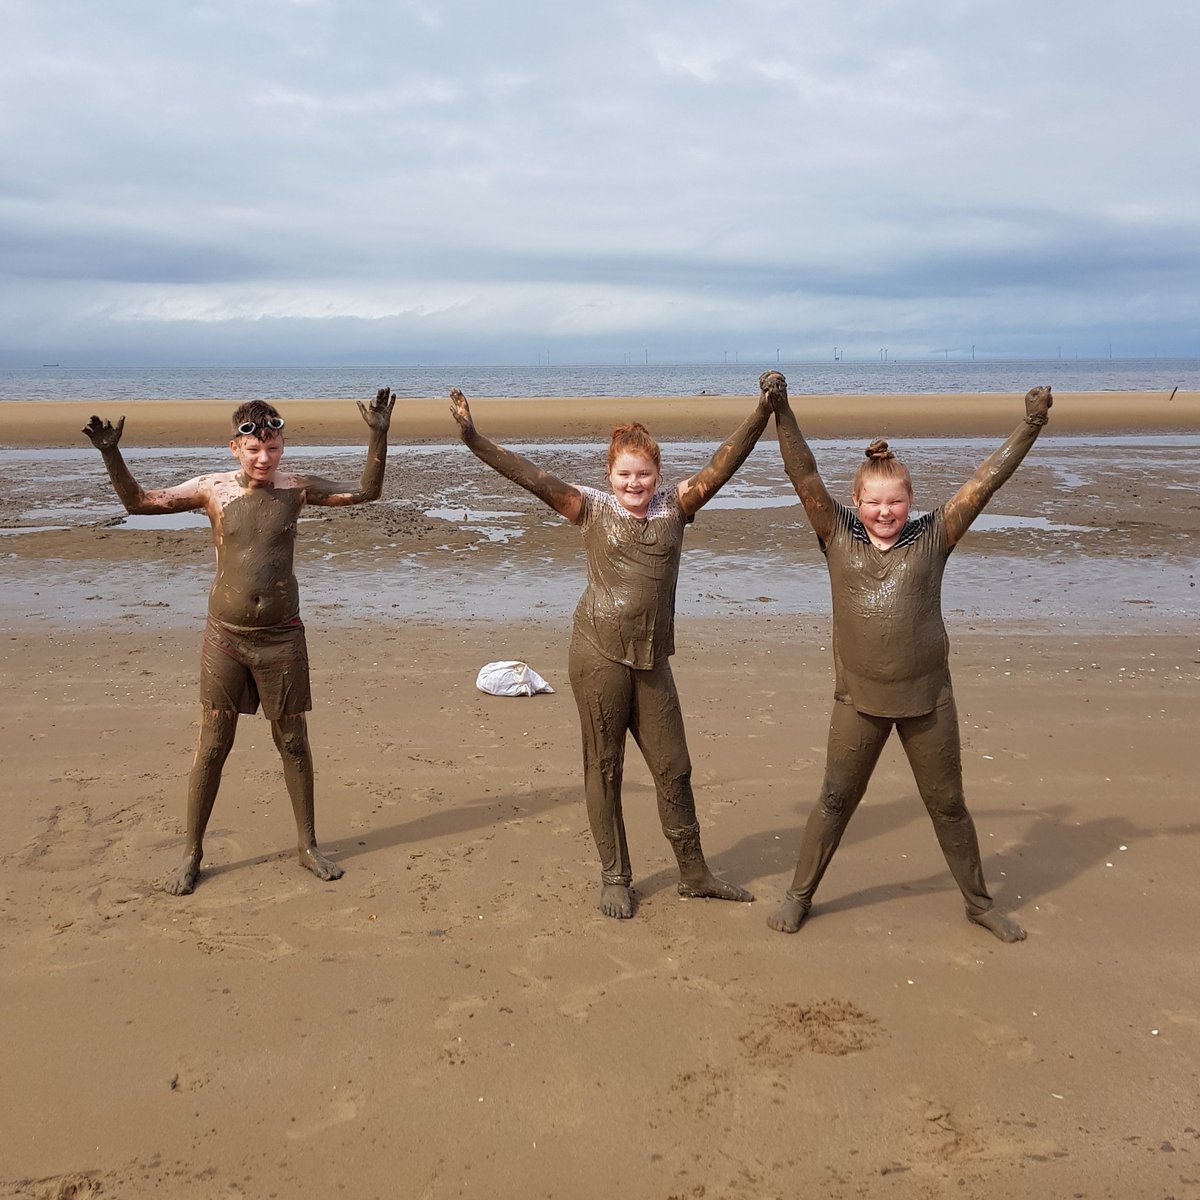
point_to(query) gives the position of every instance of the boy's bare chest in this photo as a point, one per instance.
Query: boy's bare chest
(259, 516)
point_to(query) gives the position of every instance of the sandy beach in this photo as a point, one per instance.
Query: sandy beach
(455, 1017)
(202, 422)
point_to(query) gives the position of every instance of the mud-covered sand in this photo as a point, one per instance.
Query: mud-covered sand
(454, 1017)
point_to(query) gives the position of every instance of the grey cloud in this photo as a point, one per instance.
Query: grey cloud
(927, 162)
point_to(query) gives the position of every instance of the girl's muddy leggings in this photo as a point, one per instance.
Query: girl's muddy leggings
(931, 743)
(614, 699)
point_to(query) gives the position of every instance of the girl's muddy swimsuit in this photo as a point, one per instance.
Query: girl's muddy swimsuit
(621, 642)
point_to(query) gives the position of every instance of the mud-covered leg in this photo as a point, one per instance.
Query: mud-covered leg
(696, 880)
(602, 693)
(291, 740)
(217, 730)
(657, 725)
(934, 752)
(855, 743)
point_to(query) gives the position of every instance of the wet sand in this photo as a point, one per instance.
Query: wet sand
(455, 1017)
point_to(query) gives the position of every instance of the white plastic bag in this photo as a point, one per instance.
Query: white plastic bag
(510, 679)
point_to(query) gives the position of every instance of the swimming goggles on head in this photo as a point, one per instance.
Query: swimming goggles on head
(248, 427)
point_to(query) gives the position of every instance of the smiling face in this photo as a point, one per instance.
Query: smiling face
(883, 506)
(258, 457)
(633, 477)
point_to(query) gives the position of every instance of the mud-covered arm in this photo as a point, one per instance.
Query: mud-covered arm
(798, 461)
(184, 497)
(549, 489)
(327, 493)
(970, 499)
(696, 492)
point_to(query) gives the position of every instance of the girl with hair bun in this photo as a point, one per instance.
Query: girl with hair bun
(890, 650)
(624, 634)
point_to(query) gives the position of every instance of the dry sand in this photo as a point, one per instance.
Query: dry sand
(204, 422)
(455, 1018)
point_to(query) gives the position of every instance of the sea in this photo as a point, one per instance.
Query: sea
(239, 383)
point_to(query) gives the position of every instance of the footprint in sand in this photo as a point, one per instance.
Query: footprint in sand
(354, 919)
(529, 979)
(1016, 1047)
(209, 938)
(76, 1186)
(73, 838)
(578, 1003)
(943, 1139)
(783, 1031)
(937, 1133)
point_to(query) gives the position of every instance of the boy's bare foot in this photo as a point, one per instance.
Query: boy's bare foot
(183, 882)
(1005, 928)
(789, 916)
(323, 868)
(708, 887)
(616, 900)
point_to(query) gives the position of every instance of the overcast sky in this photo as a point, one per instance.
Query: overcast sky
(502, 181)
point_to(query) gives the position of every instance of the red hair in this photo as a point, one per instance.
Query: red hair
(633, 438)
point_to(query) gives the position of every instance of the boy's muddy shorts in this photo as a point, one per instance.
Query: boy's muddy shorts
(241, 668)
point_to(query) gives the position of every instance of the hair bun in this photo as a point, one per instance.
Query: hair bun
(878, 451)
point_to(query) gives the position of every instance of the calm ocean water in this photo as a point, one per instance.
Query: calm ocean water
(682, 379)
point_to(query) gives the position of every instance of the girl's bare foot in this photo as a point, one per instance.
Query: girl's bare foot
(1005, 928)
(789, 916)
(708, 887)
(616, 900)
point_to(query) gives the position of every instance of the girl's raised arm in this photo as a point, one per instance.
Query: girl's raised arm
(970, 499)
(696, 492)
(562, 497)
(798, 461)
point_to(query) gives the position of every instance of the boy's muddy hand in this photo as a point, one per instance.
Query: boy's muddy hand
(461, 411)
(1037, 403)
(773, 385)
(103, 434)
(379, 415)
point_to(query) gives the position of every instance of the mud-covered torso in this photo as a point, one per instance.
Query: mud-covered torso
(890, 649)
(628, 608)
(255, 535)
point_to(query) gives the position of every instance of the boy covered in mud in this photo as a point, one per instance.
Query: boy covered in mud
(254, 650)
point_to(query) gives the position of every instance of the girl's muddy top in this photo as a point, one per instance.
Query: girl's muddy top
(628, 608)
(890, 649)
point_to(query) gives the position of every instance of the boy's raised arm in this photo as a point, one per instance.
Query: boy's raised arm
(697, 491)
(327, 493)
(184, 497)
(968, 502)
(549, 489)
(798, 459)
